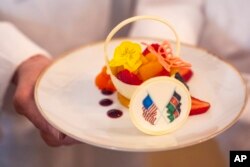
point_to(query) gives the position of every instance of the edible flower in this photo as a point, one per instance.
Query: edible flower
(166, 57)
(128, 55)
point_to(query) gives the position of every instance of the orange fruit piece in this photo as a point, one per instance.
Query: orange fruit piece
(149, 70)
(103, 80)
(123, 100)
(144, 60)
(151, 57)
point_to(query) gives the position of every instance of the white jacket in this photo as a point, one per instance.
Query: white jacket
(28, 27)
(52, 27)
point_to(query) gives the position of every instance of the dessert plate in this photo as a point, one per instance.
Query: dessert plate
(67, 97)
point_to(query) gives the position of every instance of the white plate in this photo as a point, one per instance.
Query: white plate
(68, 98)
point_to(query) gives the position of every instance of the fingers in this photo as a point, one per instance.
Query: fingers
(24, 102)
(31, 67)
(62, 139)
(50, 140)
(25, 105)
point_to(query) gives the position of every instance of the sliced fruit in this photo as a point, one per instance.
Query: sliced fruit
(154, 45)
(123, 100)
(144, 60)
(128, 77)
(149, 70)
(186, 73)
(103, 81)
(151, 57)
(198, 106)
(164, 73)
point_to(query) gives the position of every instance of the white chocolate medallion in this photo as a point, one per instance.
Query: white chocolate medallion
(160, 105)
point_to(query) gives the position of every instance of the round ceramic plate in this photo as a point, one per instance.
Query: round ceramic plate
(68, 98)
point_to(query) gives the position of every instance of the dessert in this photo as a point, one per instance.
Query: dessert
(150, 80)
(149, 67)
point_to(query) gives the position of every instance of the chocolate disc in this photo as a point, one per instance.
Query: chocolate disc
(160, 105)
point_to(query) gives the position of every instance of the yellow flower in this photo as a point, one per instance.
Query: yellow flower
(128, 55)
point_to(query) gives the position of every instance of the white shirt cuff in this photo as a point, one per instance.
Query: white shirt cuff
(15, 48)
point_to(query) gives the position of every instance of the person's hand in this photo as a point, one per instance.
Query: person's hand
(25, 78)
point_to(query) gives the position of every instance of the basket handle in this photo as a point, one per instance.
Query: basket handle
(133, 19)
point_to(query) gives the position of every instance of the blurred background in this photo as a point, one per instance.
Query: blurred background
(59, 26)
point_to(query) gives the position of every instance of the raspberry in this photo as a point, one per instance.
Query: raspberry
(128, 77)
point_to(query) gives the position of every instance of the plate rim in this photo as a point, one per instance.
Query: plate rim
(70, 52)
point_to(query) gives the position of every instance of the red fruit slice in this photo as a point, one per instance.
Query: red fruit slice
(154, 45)
(186, 73)
(128, 77)
(198, 106)
(164, 73)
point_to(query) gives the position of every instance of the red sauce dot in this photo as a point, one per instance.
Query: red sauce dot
(106, 102)
(107, 92)
(114, 113)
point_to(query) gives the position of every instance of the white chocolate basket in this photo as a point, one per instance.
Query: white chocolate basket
(125, 89)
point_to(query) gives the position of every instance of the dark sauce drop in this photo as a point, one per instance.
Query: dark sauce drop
(106, 102)
(114, 113)
(107, 92)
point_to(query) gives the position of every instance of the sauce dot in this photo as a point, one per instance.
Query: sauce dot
(107, 92)
(106, 102)
(114, 113)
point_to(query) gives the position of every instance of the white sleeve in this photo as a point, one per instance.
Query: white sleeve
(15, 47)
(185, 16)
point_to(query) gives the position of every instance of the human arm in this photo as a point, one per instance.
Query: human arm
(22, 62)
(14, 49)
(25, 78)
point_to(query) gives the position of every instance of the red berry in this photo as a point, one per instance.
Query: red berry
(154, 45)
(198, 106)
(186, 73)
(128, 77)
